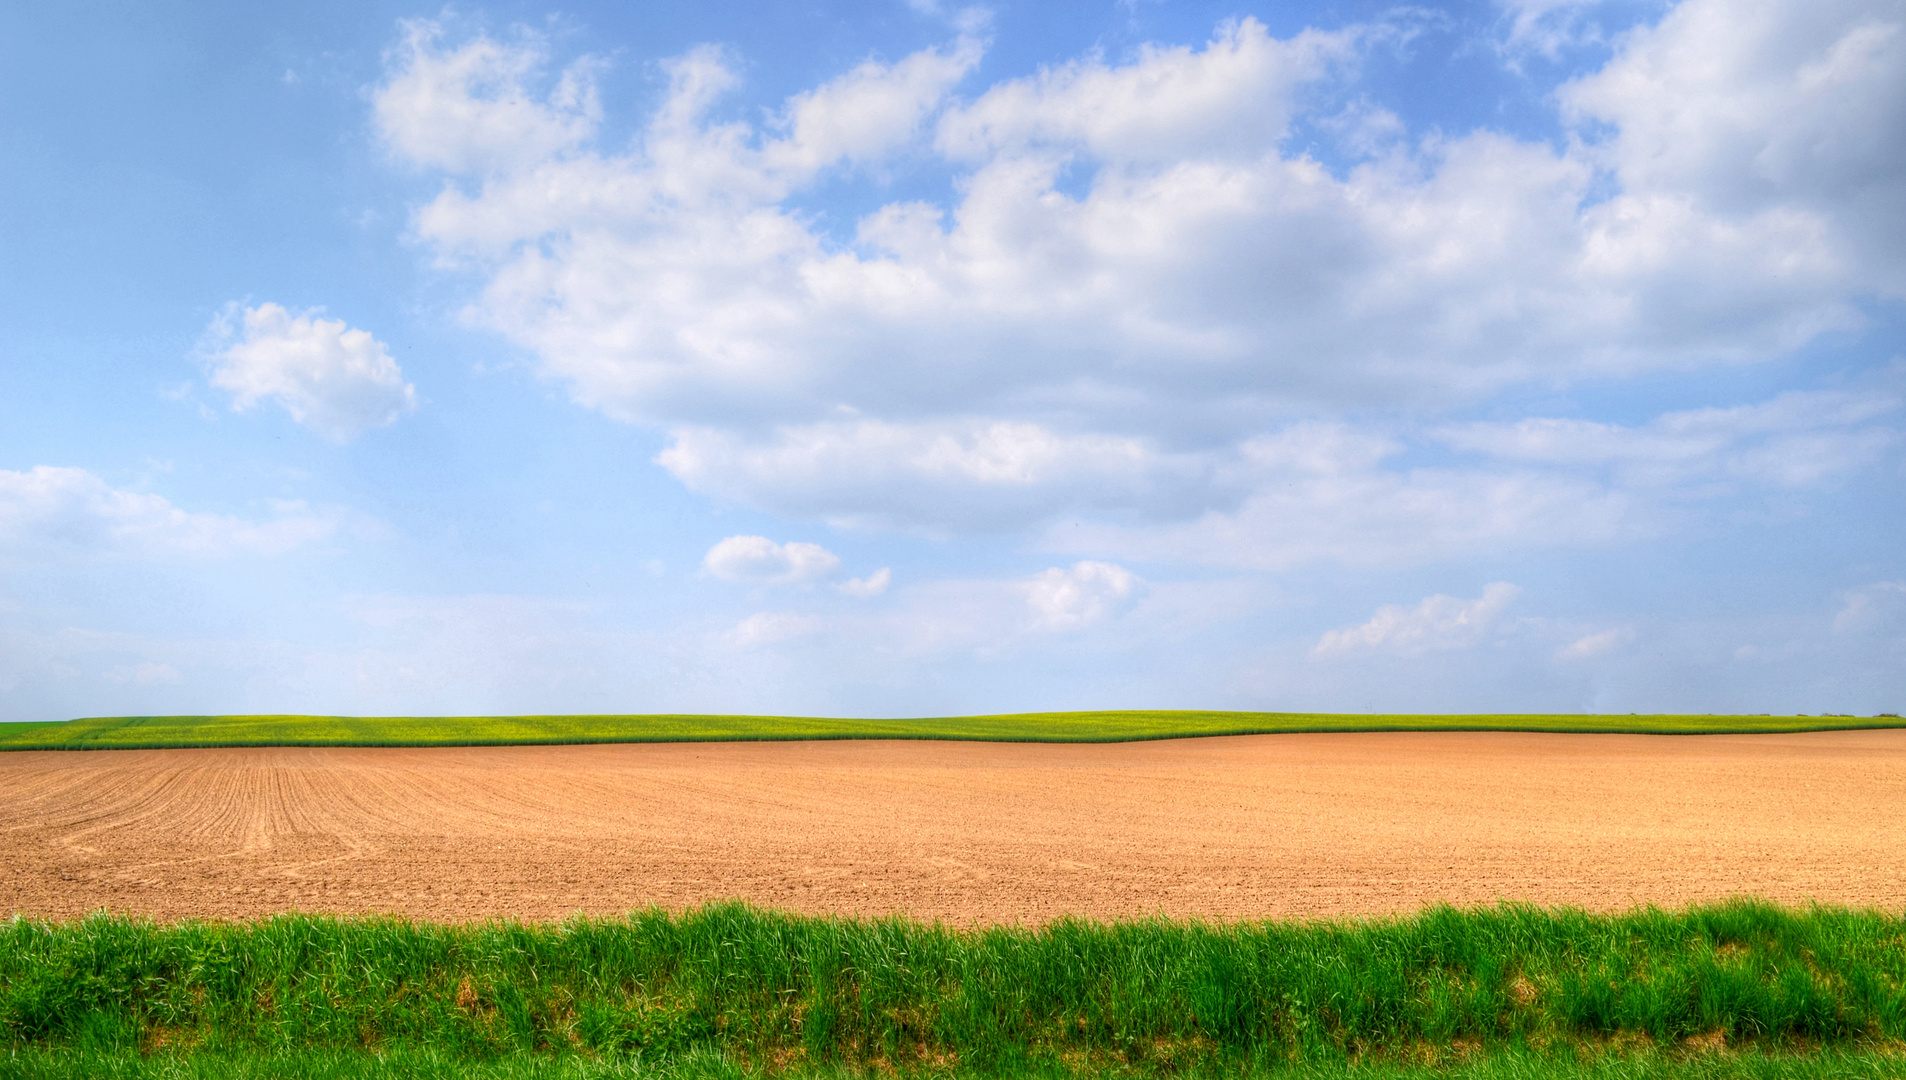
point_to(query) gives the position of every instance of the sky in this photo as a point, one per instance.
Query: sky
(906, 358)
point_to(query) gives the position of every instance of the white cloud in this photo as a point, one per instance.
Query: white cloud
(934, 477)
(1133, 288)
(1795, 440)
(1546, 27)
(1233, 98)
(1307, 493)
(1438, 623)
(860, 116)
(1325, 493)
(1078, 596)
(53, 512)
(757, 560)
(1595, 644)
(677, 283)
(337, 381)
(472, 108)
(932, 622)
(870, 586)
(1794, 110)
(1332, 493)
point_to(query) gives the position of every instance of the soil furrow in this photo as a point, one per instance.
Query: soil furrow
(1254, 826)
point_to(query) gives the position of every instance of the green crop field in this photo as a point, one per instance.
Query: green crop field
(1740, 989)
(151, 732)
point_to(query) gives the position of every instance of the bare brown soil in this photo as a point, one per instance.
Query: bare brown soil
(1275, 825)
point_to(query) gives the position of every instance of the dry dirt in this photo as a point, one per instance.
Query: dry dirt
(1278, 825)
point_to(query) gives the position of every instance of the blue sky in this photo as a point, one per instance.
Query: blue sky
(901, 359)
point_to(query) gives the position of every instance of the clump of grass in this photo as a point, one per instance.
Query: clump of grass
(761, 991)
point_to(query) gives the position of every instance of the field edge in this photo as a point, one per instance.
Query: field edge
(1109, 726)
(1735, 988)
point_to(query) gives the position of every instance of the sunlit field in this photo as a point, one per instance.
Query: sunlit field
(1741, 988)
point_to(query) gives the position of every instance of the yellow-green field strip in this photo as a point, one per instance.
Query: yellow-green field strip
(165, 732)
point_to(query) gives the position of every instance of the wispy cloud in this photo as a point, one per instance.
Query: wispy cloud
(51, 512)
(1595, 644)
(1437, 623)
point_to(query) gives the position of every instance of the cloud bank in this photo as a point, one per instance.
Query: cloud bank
(1139, 308)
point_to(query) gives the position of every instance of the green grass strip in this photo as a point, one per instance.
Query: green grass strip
(761, 990)
(159, 732)
(427, 1065)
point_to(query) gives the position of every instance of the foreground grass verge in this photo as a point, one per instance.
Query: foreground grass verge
(1738, 989)
(159, 732)
(426, 1065)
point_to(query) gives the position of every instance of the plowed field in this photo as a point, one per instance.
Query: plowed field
(1254, 826)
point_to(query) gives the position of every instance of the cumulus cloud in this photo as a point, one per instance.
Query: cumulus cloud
(337, 381)
(54, 512)
(1080, 595)
(757, 560)
(1437, 623)
(1233, 98)
(1790, 112)
(1133, 286)
(859, 117)
(870, 586)
(472, 108)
